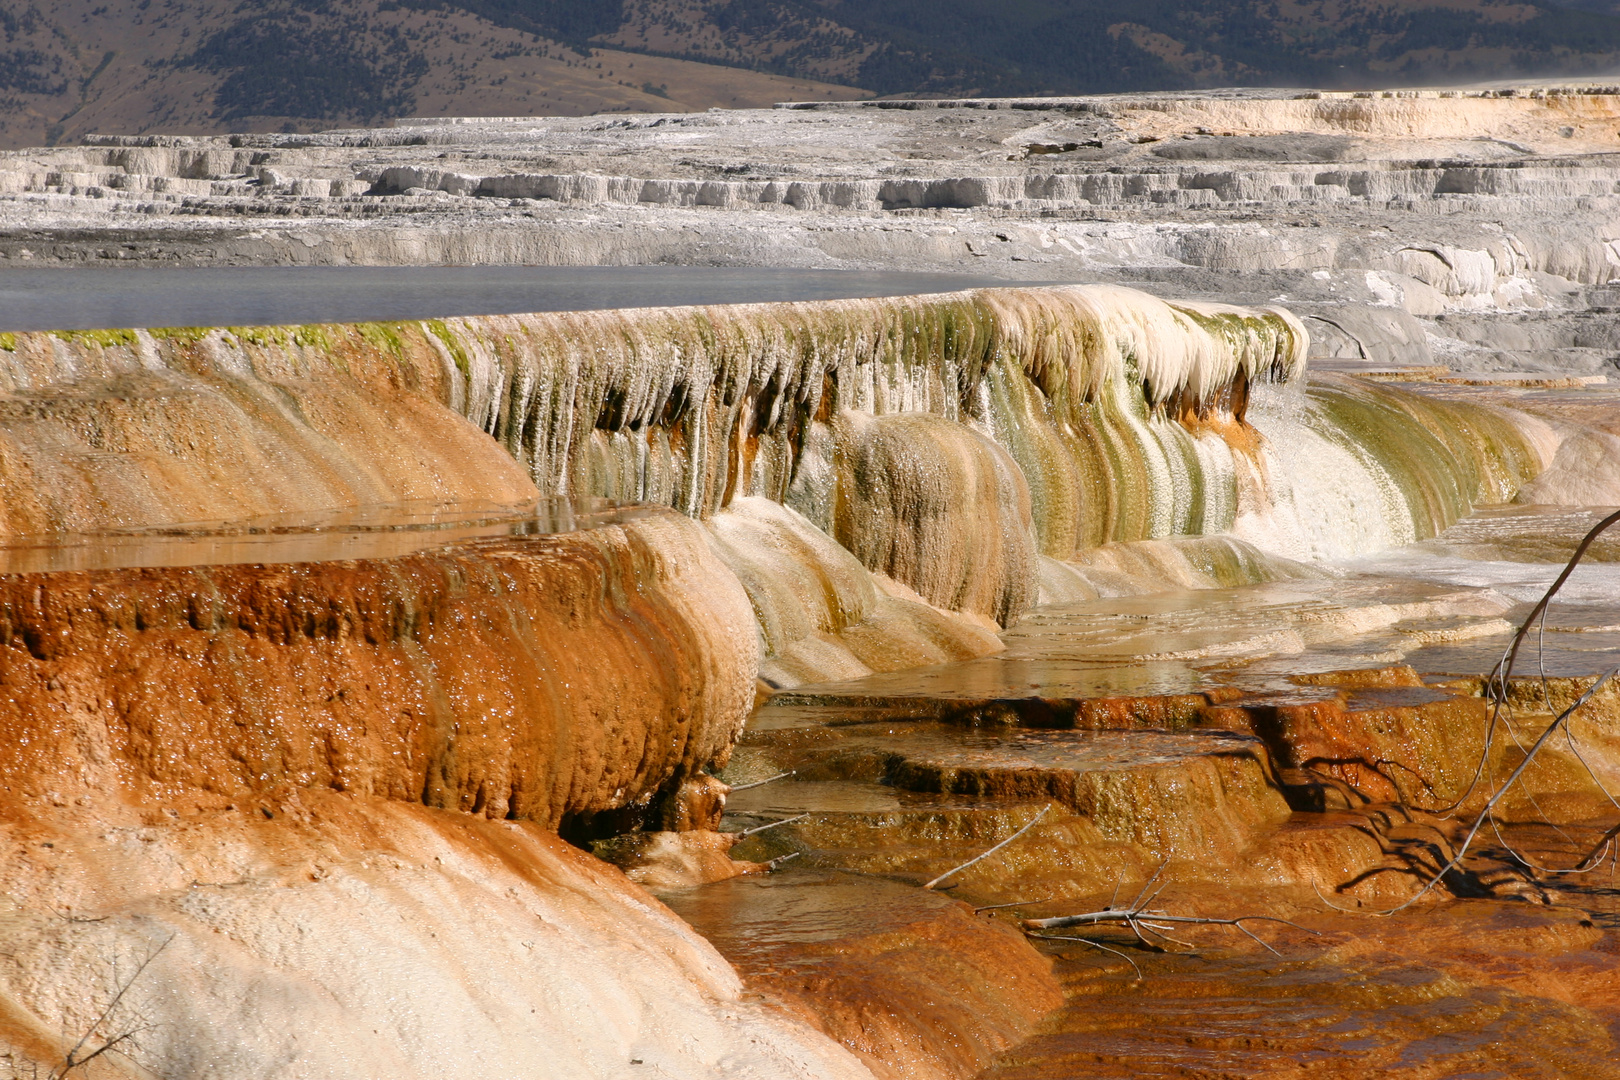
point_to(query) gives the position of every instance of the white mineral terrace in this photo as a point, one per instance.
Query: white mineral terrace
(1473, 229)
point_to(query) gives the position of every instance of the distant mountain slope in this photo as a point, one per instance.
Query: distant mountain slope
(1097, 46)
(72, 66)
(782, 37)
(197, 66)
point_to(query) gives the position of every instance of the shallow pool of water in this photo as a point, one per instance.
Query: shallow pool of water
(108, 298)
(362, 532)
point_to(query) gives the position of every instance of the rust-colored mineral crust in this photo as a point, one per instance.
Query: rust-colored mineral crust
(530, 678)
(267, 791)
(915, 983)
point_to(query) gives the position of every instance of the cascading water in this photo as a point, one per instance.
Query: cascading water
(1357, 468)
(693, 407)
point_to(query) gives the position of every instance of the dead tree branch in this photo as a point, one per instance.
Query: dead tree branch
(770, 825)
(992, 851)
(1501, 792)
(1497, 686)
(1144, 920)
(1497, 682)
(1094, 945)
(1015, 903)
(1504, 669)
(1155, 921)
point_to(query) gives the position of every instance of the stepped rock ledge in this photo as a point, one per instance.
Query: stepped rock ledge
(1469, 228)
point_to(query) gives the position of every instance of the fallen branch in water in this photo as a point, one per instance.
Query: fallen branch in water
(761, 783)
(1094, 945)
(1153, 921)
(1140, 915)
(1015, 903)
(1501, 792)
(992, 851)
(770, 825)
(1498, 686)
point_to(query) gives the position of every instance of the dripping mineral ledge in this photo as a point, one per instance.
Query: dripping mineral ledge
(936, 460)
(890, 480)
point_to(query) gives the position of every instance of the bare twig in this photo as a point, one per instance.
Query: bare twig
(1497, 686)
(1159, 932)
(67, 916)
(761, 783)
(1094, 945)
(73, 1060)
(1490, 805)
(1496, 683)
(1015, 903)
(770, 825)
(1133, 918)
(992, 851)
(1141, 918)
(1504, 669)
(1604, 843)
(1137, 903)
(780, 859)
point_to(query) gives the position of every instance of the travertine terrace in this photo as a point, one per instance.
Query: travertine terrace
(1471, 228)
(361, 685)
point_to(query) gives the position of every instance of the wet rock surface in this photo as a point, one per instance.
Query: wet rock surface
(489, 677)
(1498, 991)
(1144, 663)
(244, 806)
(913, 982)
(1516, 988)
(1243, 782)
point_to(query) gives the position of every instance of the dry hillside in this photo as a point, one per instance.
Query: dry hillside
(177, 66)
(201, 66)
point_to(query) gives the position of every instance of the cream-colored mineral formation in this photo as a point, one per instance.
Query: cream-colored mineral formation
(1471, 228)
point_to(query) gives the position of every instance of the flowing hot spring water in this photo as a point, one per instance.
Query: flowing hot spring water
(1018, 682)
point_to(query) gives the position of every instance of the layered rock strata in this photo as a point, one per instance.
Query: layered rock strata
(536, 678)
(244, 806)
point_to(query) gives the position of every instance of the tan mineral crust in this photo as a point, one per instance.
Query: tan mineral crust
(329, 654)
